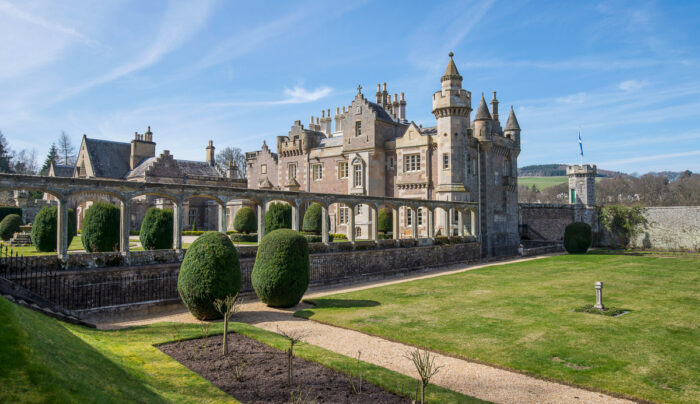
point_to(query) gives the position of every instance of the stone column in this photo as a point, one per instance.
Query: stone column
(296, 220)
(460, 221)
(351, 224)
(373, 225)
(124, 226)
(448, 222)
(395, 222)
(324, 224)
(62, 229)
(222, 218)
(177, 225)
(473, 228)
(261, 220)
(430, 225)
(414, 222)
(599, 296)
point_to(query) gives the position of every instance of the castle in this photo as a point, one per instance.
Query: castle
(374, 150)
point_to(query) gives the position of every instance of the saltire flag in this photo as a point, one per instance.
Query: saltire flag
(580, 142)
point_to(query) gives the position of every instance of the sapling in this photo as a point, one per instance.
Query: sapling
(294, 337)
(228, 306)
(425, 365)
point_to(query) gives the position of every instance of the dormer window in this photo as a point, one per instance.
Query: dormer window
(358, 128)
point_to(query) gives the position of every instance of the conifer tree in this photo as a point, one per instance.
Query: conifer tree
(51, 157)
(5, 155)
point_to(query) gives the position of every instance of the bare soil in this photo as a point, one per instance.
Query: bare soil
(264, 376)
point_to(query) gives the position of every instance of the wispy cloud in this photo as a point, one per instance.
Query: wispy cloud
(578, 98)
(294, 95)
(664, 156)
(632, 85)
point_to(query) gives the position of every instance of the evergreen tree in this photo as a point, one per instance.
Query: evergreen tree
(5, 155)
(51, 157)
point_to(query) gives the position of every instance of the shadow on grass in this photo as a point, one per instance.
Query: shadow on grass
(334, 304)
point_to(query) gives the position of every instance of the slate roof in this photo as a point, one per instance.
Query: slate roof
(140, 170)
(380, 112)
(451, 69)
(483, 112)
(512, 123)
(198, 168)
(109, 159)
(62, 170)
(429, 131)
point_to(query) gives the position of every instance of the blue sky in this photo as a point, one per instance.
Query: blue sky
(241, 72)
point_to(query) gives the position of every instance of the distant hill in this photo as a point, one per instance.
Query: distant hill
(557, 170)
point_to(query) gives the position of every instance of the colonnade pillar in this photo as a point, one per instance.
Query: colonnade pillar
(62, 229)
(124, 226)
(324, 224)
(448, 222)
(473, 229)
(414, 222)
(351, 225)
(177, 225)
(261, 220)
(222, 218)
(395, 222)
(295, 217)
(460, 222)
(373, 225)
(431, 226)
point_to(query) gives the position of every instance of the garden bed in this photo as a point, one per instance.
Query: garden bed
(264, 373)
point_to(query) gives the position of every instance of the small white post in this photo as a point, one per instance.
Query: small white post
(599, 296)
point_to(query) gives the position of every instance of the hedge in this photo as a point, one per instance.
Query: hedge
(338, 236)
(281, 271)
(100, 232)
(44, 228)
(9, 210)
(312, 219)
(385, 220)
(243, 238)
(157, 229)
(317, 238)
(245, 220)
(278, 216)
(577, 238)
(209, 271)
(9, 226)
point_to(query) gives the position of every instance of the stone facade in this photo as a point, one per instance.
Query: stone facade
(674, 228)
(582, 184)
(374, 150)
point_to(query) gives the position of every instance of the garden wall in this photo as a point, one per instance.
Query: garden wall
(114, 288)
(669, 228)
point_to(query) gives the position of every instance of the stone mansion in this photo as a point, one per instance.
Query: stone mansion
(373, 149)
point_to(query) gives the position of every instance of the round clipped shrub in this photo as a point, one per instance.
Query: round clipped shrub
(100, 231)
(245, 221)
(312, 219)
(577, 238)
(157, 229)
(44, 228)
(278, 216)
(281, 271)
(385, 220)
(209, 271)
(9, 226)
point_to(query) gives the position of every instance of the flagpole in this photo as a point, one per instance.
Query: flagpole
(581, 145)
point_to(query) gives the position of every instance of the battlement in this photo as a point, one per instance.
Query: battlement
(581, 170)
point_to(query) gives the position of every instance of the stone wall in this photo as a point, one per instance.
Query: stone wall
(113, 287)
(545, 221)
(669, 228)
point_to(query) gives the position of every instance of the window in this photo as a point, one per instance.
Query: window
(292, 171)
(318, 172)
(343, 169)
(409, 217)
(192, 215)
(357, 175)
(411, 162)
(445, 161)
(358, 128)
(455, 215)
(358, 210)
(343, 214)
(391, 162)
(420, 217)
(263, 169)
(573, 195)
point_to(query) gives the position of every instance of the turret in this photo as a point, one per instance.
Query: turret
(482, 121)
(451, 107)
(512, 130)
(142, 147)
(210, 153)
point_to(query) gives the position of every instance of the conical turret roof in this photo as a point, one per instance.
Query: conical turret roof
(482, 113)
(512, 123)
(451, 71)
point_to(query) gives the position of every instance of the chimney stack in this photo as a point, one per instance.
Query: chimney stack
(232, 170)
(402, 109)
(210, 153)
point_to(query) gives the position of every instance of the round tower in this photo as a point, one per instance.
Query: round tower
(452, 108)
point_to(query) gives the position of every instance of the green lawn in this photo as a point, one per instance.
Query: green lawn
(542, 182)
(44, 360)
(520, 316)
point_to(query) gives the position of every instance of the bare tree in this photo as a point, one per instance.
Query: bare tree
(66, 150)
(425, 365)
(227, 307)
(294, 337)
(24, 162)
(229, 154)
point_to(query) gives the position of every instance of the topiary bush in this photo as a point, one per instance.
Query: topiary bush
(9, 210)
(577, 238)
(9, 226)
(281, 271)
(209, 271)
(278, 216)
(157, 229)
(245, 221)
(44, 229)
(100, 232)
(312, 219)
(385, 220)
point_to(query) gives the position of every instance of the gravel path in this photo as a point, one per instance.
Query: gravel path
(473, 379)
